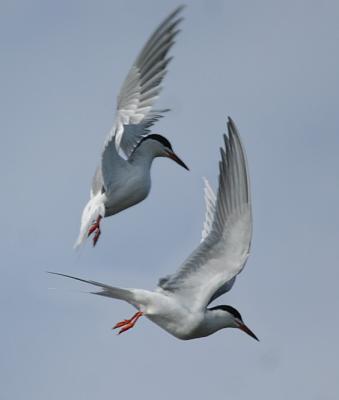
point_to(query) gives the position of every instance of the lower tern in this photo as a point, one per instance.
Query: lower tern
(121, 182)
(180, 303)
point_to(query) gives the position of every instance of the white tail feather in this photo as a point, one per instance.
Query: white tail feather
(92, 210)
(136, 297)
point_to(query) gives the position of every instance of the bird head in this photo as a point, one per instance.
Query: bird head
(232, 319)
(161, 147)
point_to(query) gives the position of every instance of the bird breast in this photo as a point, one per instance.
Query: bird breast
(167, 313)
(126, 192)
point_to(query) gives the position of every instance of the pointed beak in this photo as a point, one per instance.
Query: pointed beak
(174, 157)
(247, 330)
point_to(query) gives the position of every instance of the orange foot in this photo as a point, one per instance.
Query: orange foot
(127, 324)
(95, 228)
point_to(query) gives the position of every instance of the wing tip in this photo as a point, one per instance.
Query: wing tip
(177, 11)
(232, 128)
(57, 273)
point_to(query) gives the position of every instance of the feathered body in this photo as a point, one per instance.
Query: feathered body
(122, 178)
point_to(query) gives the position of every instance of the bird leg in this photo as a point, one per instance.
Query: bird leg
(127, 324)
(95, 228)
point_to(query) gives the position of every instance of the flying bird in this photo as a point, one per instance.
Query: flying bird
(123, 177)
(180, 303)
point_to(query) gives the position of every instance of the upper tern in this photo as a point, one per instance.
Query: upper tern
(121, 182)
(180, 303)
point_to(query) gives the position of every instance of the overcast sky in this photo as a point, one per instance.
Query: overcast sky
(271, 65)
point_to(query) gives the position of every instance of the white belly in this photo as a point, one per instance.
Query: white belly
(176, 320)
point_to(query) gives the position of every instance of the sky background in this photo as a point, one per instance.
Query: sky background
(271, 65)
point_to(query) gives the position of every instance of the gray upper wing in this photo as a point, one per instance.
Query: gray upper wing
(134, 115)
(211, 269)
(142, 86)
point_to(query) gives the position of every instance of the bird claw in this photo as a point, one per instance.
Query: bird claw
(96, 237)
(126, 328)
(95, 227)
(127, 324)
(122, 323)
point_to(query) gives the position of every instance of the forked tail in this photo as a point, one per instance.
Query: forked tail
(135, 297)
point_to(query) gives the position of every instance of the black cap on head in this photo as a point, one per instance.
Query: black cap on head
(230, 309)
(161, 139)
(168, 148)
(165, 142)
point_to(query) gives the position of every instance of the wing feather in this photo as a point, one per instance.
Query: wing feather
(210, 200)
(211, 269)
(142, 85)
(139, 91)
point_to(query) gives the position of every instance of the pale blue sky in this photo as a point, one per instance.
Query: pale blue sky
(271, 65)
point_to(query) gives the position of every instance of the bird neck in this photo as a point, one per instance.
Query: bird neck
(217, 319)
(143, 155)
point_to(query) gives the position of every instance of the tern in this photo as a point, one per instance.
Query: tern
(120, 181)
(180, 303)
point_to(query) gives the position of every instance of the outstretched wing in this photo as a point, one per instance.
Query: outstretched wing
(210, 203)
(211, 269)
(140, 89)
(134, 115)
